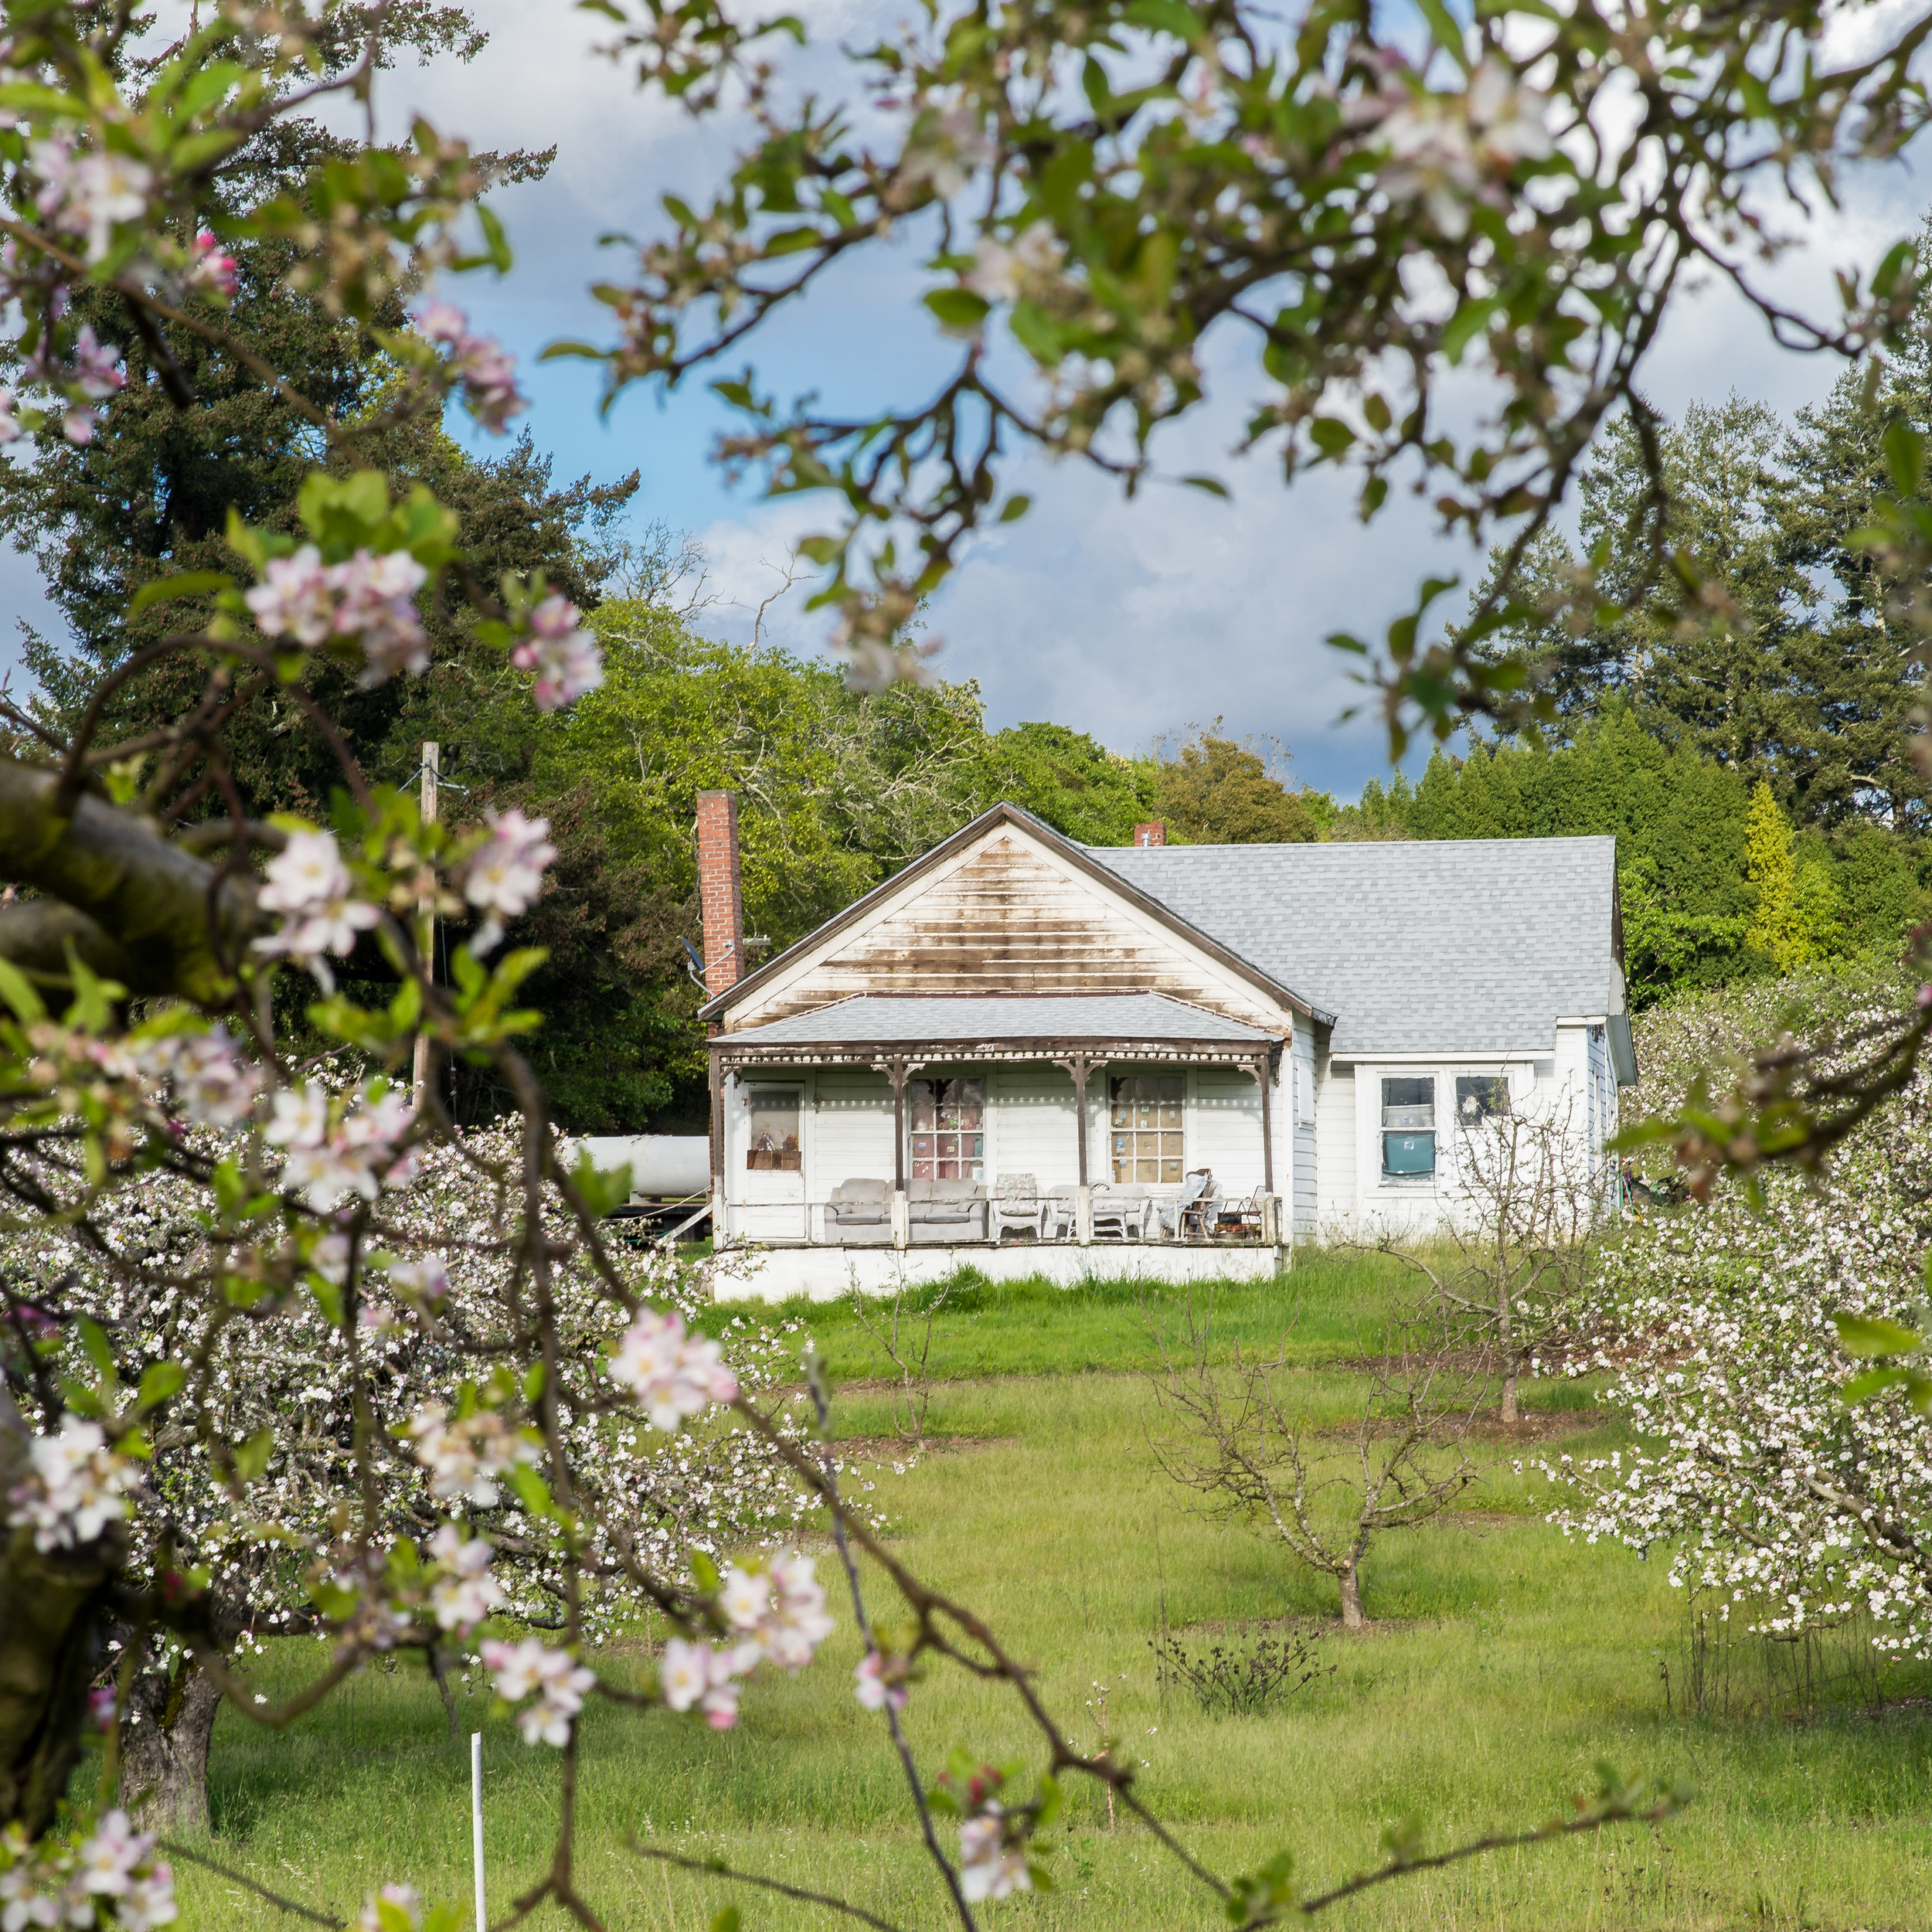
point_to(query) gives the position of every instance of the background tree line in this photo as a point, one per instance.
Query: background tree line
(1744, 744)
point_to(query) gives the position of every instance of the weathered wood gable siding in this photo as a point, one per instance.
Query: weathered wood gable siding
(1008, 918)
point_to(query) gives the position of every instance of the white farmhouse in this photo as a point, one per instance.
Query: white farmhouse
(1039, 1057)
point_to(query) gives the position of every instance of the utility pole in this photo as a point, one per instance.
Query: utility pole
(431, 773)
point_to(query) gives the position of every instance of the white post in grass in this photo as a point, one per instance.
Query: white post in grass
(476, 1822)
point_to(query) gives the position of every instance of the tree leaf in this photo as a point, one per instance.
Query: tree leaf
(1868, 1335)
(959, 310)
(1165, 16)
(190, 583)
(161, 1380)
(1905, 456)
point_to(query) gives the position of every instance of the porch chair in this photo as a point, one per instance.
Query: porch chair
(859, 1211)
(1122, 1206)
(1017, 1204)
(1173, 1215)
(946, 1210)
(1057, 1216)
(1203, 1210)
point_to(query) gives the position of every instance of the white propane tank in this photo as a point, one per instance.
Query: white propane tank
(674, 1166)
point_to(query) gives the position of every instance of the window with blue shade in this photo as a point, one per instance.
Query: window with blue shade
(1408, 1128)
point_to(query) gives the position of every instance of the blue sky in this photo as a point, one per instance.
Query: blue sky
(1125, 620)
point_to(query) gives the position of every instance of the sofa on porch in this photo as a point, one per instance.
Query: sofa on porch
(859, 1212)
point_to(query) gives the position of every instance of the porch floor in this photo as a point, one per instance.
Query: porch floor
(824, 1273)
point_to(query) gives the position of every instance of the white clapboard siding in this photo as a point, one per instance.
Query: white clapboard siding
(1224, 1127)
(1298, 1097)
(852, 1130)
(1032, 1128)
(1335, 1154)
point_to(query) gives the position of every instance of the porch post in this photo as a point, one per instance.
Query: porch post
(720, 1207)
(1267, 1122)
(1078, 1065)
(902, 1219)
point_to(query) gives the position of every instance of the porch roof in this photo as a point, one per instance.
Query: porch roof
(1000, 1026)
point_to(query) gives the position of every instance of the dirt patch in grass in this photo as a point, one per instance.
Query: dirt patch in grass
(1539, 1425)
(1488, 1518)
(1311, 1627)
(897, 1449)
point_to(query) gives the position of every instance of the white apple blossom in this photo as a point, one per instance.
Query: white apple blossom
(874, 1690)
(294, 599)
(485, 369)
(111, 1878)
(505, 876)
(1796, 1509)
(91, 193)
(673, 1375)
(1001, 272)
(97, 369)
(781, 1609)
(1444, 148)
(308, 884)
(77, 1485)
(691, 1672)
(989, 1867)
(465, 1455)
(377, 604)
(427, 1279)
(466, 1593)
(340, 1151)
(565, 656)
(214, 1086)
(559, 1680)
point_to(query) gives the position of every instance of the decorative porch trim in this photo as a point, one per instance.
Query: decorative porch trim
(876, 1055)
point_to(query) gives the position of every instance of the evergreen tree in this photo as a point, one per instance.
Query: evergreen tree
(1738, 612)
(1778, 926)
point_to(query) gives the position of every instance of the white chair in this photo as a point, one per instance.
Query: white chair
(1017, 1204)
(1057, 1218)
(1122, 1207)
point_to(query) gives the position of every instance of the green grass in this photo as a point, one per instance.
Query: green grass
(1506, 1662)
(1330, 1307)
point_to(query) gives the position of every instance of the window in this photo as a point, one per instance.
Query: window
(1304, 1093)
(774, 1129)
(1145, 1125)
(1481, 1097)
(949, 1130)
(1409, 1129)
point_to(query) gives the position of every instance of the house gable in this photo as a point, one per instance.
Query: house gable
(1005, 908)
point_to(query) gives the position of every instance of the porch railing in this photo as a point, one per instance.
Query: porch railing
(1096, 1216)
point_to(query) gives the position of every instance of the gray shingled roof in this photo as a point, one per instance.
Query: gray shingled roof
(877, 1019)
(1451, 946)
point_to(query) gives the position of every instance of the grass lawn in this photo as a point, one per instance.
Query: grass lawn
(1505, 1663)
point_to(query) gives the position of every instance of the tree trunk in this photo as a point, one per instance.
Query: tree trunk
(163, 1748)
(52, 1602)
(1352, 1616)
(1510, 1412)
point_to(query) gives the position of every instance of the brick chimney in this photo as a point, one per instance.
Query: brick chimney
(1153, 833)
(720, 891)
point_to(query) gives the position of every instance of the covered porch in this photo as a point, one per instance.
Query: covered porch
(1028, 1133)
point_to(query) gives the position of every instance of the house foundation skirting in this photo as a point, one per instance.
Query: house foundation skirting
(826, 1274)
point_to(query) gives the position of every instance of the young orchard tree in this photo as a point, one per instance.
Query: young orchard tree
(1515, 1262)
(1236, 1438)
